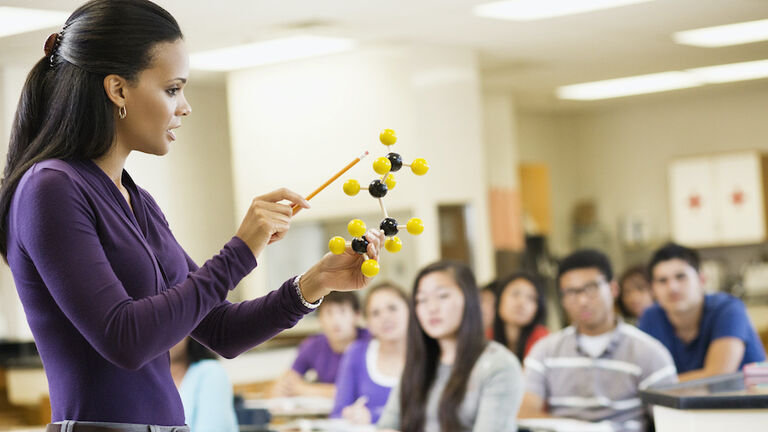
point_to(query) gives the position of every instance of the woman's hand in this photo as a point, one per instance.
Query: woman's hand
(267, 220)
(340, 272)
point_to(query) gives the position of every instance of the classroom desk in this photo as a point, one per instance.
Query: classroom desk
(707, 405)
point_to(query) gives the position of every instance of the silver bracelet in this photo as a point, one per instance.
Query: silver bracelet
(301, 296)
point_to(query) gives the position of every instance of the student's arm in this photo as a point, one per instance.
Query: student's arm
(293, 384)
(500, 397)
(532, 407)
(723, 356)
(390, 417)
(534, 399)
(731, 330)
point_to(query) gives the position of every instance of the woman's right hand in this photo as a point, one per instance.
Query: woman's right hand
(267, 220)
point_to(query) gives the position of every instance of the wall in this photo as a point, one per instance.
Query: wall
(295, 124)
(617, 152)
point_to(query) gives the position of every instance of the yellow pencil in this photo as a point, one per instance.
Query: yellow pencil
(330, 180)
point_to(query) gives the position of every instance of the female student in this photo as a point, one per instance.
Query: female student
(453, 379)
(370, 368)
(204, 386)
(520, 314)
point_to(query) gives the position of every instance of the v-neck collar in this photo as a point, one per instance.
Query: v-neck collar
(137, 215)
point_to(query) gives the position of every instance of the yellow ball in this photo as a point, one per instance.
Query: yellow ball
(387, 137)
(390, 181)
(394, 244)
(415, 226)
(337, 245)
(382, 165)
(351, 187)
(419, 166)
(370, 268)
(356, 228)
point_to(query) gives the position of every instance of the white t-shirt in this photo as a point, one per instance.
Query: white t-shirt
(594, 345)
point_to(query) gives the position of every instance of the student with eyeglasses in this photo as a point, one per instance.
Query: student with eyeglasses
(594, 369)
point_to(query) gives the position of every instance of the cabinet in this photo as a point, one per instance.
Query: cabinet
(718, 200)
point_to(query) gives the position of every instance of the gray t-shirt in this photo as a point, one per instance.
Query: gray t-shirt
(494, 393)
(603, 387)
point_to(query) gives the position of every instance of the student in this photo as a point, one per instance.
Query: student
(339, 316)
(370, 368)
(453, 380)
(635, 295)
(519, 320)
(594, 369)
(106, 287)
(488, 307)
(706, 334)
(204, 386)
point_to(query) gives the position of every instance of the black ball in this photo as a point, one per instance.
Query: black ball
(377, 189)
(389, 226)
(360, 245)
(396, 161)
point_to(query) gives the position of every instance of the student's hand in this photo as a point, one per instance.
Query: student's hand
(288, 385)
(357, 413)
(267, 220)
(340, 272)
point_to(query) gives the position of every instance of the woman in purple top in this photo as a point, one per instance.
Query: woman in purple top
(370, 368)
(106, 288)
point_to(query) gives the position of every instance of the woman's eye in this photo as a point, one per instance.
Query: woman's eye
(172, 91)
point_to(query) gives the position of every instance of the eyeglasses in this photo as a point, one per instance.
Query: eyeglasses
(590, 289)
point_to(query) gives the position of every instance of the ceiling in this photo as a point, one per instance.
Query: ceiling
(529, 59)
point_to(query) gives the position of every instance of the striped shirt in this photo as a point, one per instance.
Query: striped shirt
(604, 388)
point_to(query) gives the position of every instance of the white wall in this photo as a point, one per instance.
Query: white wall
(296, 124)
(617, 153)
(13, 324)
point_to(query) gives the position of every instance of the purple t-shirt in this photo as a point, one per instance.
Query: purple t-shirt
(315, 353)
(107, 291)
(358, 376)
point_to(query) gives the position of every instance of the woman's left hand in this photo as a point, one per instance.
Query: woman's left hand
(340, 272)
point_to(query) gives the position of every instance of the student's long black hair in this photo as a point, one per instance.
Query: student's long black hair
(499, 329)
(423, 355)
(64, 111)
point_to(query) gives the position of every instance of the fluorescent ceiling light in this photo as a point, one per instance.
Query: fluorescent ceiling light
(731, 72)
(665, 81)
(529, 10)
(724, 35)
(270, 51)
(629, 86)
(21, 20)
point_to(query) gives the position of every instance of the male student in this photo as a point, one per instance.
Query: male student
(321, 354)
(593, 369)
(706, 334)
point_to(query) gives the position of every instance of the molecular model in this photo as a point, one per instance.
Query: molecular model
(378, 188)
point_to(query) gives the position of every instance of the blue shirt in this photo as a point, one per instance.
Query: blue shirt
(207, 396)
(723, 316)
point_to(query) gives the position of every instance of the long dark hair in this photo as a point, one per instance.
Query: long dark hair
(500, 330)
(423, 355)
(197, 352)
(632, 272)
(64, 111)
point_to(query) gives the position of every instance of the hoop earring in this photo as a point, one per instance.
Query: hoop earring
(122, 112)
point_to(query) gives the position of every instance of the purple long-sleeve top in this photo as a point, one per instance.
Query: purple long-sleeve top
(359, 376)
(107, 290)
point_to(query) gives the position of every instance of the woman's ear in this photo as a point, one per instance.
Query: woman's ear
(116, 88)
